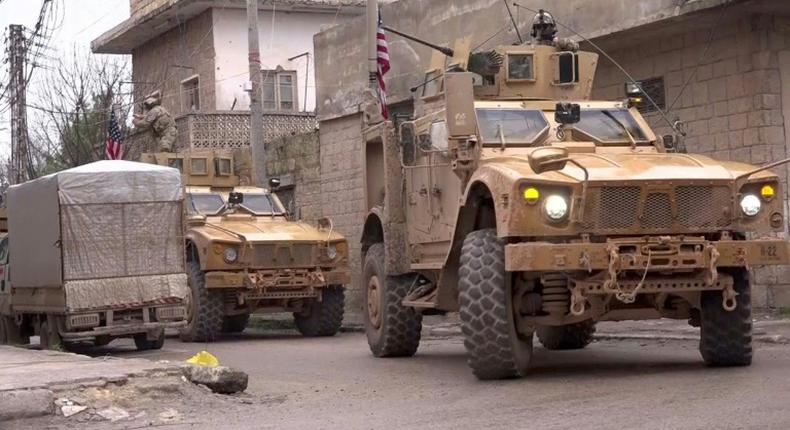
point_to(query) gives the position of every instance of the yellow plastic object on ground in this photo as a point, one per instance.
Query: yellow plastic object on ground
(205, 359)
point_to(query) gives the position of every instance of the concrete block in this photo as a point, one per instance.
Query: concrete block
(18, 404)
(735, 139)
(737, 121)
(220, 379)
(735, 87)
(717, 89)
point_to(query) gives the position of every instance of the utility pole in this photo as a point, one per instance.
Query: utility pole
(373, 55)
(20, 157)
(256, 102)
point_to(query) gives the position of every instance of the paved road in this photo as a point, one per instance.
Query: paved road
(336, 383)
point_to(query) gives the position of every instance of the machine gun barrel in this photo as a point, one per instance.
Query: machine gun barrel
(444, 50)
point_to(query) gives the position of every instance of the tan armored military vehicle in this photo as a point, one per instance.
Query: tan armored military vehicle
(531, 209)
(244, 253)
(93, 254)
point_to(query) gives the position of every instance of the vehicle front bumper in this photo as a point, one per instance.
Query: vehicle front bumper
(666, 253)
(287, 279)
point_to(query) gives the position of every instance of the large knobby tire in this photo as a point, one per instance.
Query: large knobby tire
(206, 312)
(142, 342)
(572, 336)
(496, 350)
(322, 318)
(726, 336)
(393, 330)
(235, 323)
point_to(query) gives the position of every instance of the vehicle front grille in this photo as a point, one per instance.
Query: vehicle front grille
(635, 210)
(287, 255)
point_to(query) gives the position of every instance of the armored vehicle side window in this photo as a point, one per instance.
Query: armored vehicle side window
(176, 163)
(520, 67)
(198, 166)
(223, 166)
(511, 126)
(602, 125)
(261, 204)
(205, 203)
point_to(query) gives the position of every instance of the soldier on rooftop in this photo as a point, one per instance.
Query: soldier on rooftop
(157, 119)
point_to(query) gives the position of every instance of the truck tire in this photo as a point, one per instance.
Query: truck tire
(392, 329)
(143, 344)
(49, 336)
(495, 348)
(322, 318)
(572, 336)
(235, 323)
(726, 337)
(204, 323)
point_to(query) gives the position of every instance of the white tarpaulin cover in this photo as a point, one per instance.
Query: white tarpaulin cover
(118, 182)
(120, 235)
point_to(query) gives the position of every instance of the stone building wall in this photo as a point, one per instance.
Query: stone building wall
(164, 62)
(732, 106)
(295, 160)
(342, 195)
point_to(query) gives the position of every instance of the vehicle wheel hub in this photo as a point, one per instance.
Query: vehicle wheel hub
(374, 298)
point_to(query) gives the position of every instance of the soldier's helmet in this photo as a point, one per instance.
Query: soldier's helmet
(153, 99)
(543, 27)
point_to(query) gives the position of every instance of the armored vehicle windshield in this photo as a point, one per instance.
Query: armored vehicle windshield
(213, 204)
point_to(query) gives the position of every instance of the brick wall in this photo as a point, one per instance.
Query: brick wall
(164, 62)
(342, 195)
(296, 161)
(732, 106)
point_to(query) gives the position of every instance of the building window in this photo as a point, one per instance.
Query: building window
(279, 90)
(653, 87)
(190, 94)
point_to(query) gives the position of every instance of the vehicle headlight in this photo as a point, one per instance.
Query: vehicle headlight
(230, 255)
(331, 251)
(751, 205)
(556, 207)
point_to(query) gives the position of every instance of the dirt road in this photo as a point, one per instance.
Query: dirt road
(336, 383)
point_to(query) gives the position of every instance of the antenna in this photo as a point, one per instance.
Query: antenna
(513, 20)
(627, 75)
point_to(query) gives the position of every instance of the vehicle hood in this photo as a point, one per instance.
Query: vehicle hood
(264, 230)
(640, 167)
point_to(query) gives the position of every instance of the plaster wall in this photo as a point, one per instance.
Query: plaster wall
(282, 35)
(183, 52)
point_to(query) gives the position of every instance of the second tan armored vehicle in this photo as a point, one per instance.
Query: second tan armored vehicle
(514, 199)
(244, 255)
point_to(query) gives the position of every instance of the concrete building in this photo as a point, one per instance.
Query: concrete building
(195, 52)
(734, 55)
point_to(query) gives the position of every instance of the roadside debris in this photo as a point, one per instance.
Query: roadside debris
(113, 413)
(203, 369)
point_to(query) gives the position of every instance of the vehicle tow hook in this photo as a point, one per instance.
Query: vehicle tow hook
(729, 301)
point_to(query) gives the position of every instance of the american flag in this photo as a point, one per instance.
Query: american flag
(383, 60)
(114, 149)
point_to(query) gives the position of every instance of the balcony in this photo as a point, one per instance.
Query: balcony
(223, 129)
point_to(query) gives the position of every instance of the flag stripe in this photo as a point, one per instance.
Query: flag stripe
(114, 149)
(383, 62)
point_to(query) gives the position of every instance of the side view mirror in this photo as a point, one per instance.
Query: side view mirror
(235, 198)
(548, 159)
(567, 113)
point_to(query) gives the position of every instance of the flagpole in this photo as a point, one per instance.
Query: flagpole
(373, 23)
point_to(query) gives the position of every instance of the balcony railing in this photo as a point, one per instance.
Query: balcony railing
(223, 129)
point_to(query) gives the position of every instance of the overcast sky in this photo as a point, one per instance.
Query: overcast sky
(81, 21)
